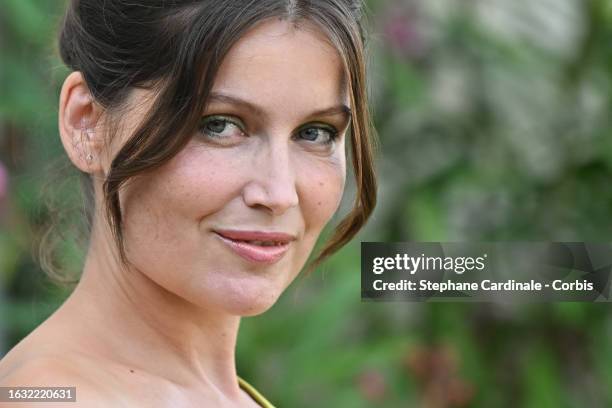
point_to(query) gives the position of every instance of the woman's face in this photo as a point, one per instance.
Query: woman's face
(267, 158)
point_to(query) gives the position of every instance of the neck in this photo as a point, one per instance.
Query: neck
(131, 320)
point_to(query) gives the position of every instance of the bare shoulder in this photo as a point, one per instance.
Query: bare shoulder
(52, 371)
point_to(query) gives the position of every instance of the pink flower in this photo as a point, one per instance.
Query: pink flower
(402, 34)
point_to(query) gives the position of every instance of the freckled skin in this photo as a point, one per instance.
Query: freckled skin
(265, 182)
(182, 298)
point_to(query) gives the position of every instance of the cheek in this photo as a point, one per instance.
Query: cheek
(198, 182)
(166, 213)
(323, 184)
(162, 210)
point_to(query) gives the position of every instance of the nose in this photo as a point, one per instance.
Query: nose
(272, 183)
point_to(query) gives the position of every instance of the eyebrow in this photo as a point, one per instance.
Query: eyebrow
(258, 111)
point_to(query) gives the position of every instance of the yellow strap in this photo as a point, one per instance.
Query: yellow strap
(254, 394)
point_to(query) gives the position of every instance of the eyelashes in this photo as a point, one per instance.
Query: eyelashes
(225, 128)
(332, 133)
(215, 126)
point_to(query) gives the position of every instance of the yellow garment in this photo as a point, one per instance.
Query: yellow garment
(254, 394)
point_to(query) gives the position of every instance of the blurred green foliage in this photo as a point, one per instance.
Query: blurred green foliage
(494, 122)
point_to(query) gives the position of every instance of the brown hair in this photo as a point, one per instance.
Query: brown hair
(177, 46)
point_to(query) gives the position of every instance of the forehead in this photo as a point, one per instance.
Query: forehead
(283, 68)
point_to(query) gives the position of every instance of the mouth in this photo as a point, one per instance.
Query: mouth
(264, 251)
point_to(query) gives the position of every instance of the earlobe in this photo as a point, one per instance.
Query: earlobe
(78, 114)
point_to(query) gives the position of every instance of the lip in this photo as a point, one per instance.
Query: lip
(256, 253)
(242, 235)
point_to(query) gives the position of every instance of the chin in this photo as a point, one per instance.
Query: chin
(248, 303)
(254, 310)
(248, 308)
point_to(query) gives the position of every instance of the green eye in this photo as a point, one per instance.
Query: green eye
(216, 125)
(318, 134)
(219, 127)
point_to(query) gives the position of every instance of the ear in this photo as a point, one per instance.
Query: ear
(78, 117)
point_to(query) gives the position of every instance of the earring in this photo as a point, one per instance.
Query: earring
(87, 132)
